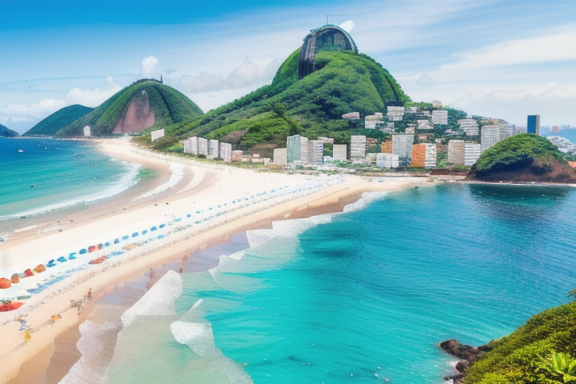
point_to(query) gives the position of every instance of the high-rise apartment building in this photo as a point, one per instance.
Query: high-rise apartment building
(440, 116)
(357, 148)
(315, 152)
(533, 125)
(340, 152)
(456, 150)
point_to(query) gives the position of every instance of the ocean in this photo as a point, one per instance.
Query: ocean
(362, 296)
(43, 175)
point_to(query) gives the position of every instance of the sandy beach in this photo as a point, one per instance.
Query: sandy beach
(189, 206)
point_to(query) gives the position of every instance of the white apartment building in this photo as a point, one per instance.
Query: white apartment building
(440, 116)
(315, 152)
(472, 152)
(395, 113)
(226, 152)
(340, 152)
(357, 148)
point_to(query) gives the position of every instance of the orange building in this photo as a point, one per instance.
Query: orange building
(418, 156)
(386, 147)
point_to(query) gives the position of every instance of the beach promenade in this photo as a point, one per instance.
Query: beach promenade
(189, 206)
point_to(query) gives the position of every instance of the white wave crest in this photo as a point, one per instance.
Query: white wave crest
(198, 336)
(159, 300)
(92, 368)
(177, 174)
(366, 199)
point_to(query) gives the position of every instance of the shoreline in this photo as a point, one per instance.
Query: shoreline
(103, 278)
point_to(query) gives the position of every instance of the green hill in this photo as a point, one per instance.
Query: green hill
(146, 104)
(58, 120)
(312, 106)
(7, 132)
(523, 158)
(526, 355)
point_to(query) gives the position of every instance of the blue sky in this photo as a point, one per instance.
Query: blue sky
(497, 58)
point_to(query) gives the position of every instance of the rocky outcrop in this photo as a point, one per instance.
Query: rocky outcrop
(138, 116)
(467, 355)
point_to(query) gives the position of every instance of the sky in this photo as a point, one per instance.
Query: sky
(497, 58)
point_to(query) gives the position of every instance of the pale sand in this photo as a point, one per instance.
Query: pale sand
(201, 186)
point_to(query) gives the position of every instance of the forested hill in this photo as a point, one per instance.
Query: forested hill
(58, 120)
(146, 104)
(312, 106)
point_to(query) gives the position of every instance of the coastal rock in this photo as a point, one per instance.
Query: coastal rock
(467, 355)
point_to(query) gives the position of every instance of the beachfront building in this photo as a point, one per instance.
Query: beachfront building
(440, 116)
(202, 147)
(456, 152)
(157, 134)
(402, 146)
(226, 152)
(533, 125)
(237, 156)
(87, 132)
(340, 152)
(280, 156)
(213, 149)
(469, 126)
(472, 152)
(424, 155)
(191, 145)
(387, 160)
(315, 152)
(297, 148)
(395, 113)
(357, 149)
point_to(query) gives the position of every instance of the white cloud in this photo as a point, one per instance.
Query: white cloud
(348, 26)
(92, 97)
(36, 110)
(148, 66)
(542, 49)
(245, 75)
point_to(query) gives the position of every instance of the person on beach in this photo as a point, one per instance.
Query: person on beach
(27, 335)
(89, 294)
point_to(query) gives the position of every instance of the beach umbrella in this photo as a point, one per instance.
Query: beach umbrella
(144, 231)
(135, 234)
(162, 225)
(5, 283)
(92, 248)
(28, 273)
(15, 278)
(153, 228)
(72, 256)
(51, 263)
(41, 268)
(107, 244)
(62, 259)
(125, 237)
(83, 251)
(116, 241)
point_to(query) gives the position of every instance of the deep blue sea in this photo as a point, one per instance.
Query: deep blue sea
(41, 175)
(363, 296)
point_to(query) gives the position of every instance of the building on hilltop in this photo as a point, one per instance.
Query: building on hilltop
(491, 134)
(395, 113)
(533, 124)
(440, 116)
(326, 38)
(469, 126)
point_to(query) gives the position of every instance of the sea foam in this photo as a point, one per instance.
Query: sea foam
(158, 301)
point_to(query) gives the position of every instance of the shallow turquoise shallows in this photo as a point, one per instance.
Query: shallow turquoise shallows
(40, 175)
(365, 296)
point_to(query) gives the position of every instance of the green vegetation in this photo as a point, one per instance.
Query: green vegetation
(313, 106)
(523, 157)
(7, 132)
(541, 351)
(58, 120)
(169, 106)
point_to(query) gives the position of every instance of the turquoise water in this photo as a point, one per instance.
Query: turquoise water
(40, 175)
(362, 296)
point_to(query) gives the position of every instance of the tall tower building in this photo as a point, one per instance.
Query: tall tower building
(533, 125)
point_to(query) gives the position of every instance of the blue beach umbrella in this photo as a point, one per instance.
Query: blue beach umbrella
(135, 234)
(116, 241)
(83, 251)
(153, 228)
(125, 237)
(72, 256)
(61, 259)
(144, 231)
(162, 225)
